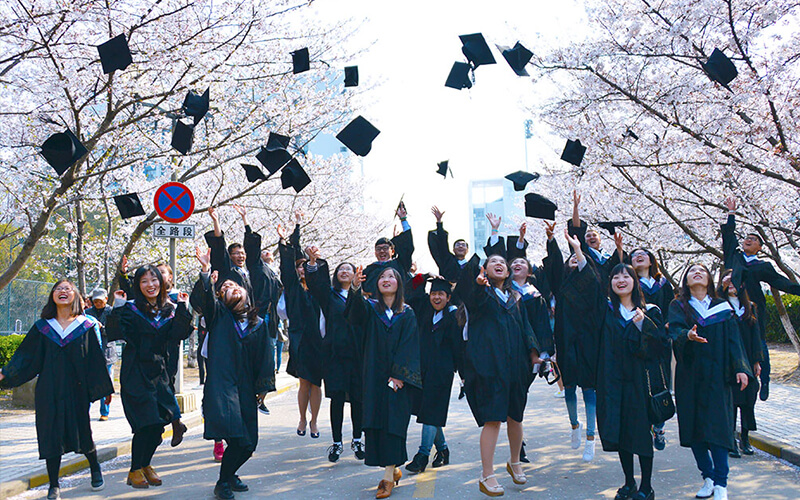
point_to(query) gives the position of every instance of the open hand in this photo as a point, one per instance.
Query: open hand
(573, 241)
(120, 294)
(437, 213)
(494, 221)
(183, 297)
(576, 198)
(240, 210)
(401, 210)
(281, 232)
(358, 278)
(549, 229)
(212, 212)
(730, 203)
(298, 216)
(204, 258)
(618, 240)
(481, 279)
(694, 337)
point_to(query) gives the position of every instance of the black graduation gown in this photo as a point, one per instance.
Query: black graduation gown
(266, 284)
(305, 341)
(341, 350)
(101, 315)
(746, 399)
(147, 396)
(72, 373)
(538, 313)
(660, 294)
(241, 364)
(603, 266)
(404, 251)
(391, 349)
(510, 251)
(497, 364)
(706, 373)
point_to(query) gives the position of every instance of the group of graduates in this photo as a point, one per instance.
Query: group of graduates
(389, 340)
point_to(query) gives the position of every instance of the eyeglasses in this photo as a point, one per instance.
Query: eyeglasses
(639, 254)
(751, 238)
(65, 288)
(382, 248)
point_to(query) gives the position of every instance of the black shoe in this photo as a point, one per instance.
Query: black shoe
(222, 491)
(735, 452)
(441, 458)
(263, 408)
(97, 480)
(334, 452)
(418, 464)
(523, 456)
(747, 449)
(54, 493)
(238, 485)
(640, 495)
(626, 492)
(461, 393)
(764, 393)
(358, 449)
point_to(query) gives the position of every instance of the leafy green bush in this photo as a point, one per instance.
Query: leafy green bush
(8, 345)
(775, 331)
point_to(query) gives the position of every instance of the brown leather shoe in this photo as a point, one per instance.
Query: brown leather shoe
(384, 489)
(178, 430)
(137, 480)
(398, 474)
(151, 476)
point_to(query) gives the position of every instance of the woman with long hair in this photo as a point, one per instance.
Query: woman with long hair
(148, 324)
(390, 349)
(744, 402)
(711, 365)
(64, 349)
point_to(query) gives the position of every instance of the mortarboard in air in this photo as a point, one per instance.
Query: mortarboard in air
(720, 68)
(773, 141)
(129, 205)
(115, 54)
(521, 179)
(358, 136)
(517, 57)
(612, 226)
(744, 117)
(476, 50)
(443, 167)
(539, 207)
(351, 76)
(253, 173)
(573, 152)
(182, 137)
(277, 141)
(62, 150)
(459, 77)
(196, 106)
(293, 175)
(300, 61)
(630, 133)
(440, 285)
(273, 160)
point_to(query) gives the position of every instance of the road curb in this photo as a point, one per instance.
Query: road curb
(776, 448)
(39, 477)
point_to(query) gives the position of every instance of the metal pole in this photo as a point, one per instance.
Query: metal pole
(173, 265)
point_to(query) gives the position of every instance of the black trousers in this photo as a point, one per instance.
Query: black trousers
(236, 454)
(337, 416)
(144, 445)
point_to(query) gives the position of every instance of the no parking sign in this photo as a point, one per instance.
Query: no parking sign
(174, 202)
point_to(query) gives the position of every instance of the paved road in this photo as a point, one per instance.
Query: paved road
(292, 467)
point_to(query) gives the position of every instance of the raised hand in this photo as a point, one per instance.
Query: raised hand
(240, 210)
(741, 379)
(573, 241)
(120, 294)
(437, 213)
(313, 254)
(212, 212)
(183, 297)
(730, 203)
(481, 279)
(358, 278)
(494, 221)
(281, 232)
(401, 210)
(204, 258)
(618, 240)
(523, 228)
(124, 266)
(576, 198)
(394, 231)
(298, 216)
(214, 276)
(549, 229)
(694, 337)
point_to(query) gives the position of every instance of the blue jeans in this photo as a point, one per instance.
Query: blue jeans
(589, 401)
(104, 408)
(278, 352)
(704, 453)
(431, 435)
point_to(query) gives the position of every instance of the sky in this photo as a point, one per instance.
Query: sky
(410, 48)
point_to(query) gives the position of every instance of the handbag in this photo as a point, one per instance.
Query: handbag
(660, 406)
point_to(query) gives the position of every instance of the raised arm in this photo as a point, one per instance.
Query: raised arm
(203, 299)
(220, 260)
(404, 242)
(728, 230)
(318, 277)
(575, 225)
(496, 244)
(287, 254)
(356, 308)
(517, 246)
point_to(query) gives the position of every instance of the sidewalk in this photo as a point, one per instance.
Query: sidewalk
(778, 421)
(20, 467)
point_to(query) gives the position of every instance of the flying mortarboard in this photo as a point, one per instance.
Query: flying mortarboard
(300, 61)
(63, 150)
(115, 54)
(273, 160)
(720, 68)
(517, 57)
(277, 141)
(573, 152)
(521, 179)
(351, 76)
(358, 136)
(612, 226)
(476, 49)
(196, 106)
(253, 173)
(744, 117)
(773, 141)
(129, 205)
(539, 207)
(443, 168)
(630, 133)
(459, 77)
(182, 137)
(293, 175)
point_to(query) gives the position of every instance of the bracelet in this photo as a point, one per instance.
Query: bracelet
(403, 218)
(494, 230)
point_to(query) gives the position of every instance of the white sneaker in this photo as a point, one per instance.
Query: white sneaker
(559, 394)
(720, 493)
(575, 437)
(707, 491)
(588, 451)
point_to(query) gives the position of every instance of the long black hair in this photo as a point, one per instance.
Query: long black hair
(655, 270)
(50, 310)
(508, 284)
(744, 298)
(398, 304)
(163, 305)
(336, 285)
(247, 312)
(684, 293)
(637, 297)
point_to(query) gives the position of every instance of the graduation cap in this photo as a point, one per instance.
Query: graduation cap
(612, 226)
(63, 150)
(351, 76)
(300, 61)
(517, 57)
(476, 49)
(182, 137)
(273, 160)
(573, 152)
(115, 54)
(293, 175)
(196, 106)
(459, 77)
(277, 141)
(358, 136)
(440, 285)
(630, 133)
(253, 173)
(720, 68)
(539, 207)
(129, 205)
(521, 179)
(443, 168)
(773, 141)
(744, 117)
(229, 275)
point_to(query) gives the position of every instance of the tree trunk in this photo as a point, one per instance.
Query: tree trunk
(80, 265)
(787, 324)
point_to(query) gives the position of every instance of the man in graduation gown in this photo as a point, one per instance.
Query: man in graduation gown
(603, 261)
(748, 273)
(451, 264)
(396, 253)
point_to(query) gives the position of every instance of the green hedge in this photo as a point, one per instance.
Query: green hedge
(9, 344)
(775, 331)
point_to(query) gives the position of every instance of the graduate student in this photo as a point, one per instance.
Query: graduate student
(744, 402)
(341, 349)
(396, 253)
(440, 352)
(391, 371)
(591, 242)
(500, 352)
(64, 349)
(147, 324)
(711, 364)
(451, 264)
(240, 369)
(748, 273)
(305, 341)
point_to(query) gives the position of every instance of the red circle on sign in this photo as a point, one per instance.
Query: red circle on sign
(174, 202)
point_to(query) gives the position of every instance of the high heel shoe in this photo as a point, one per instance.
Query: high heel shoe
(492, 491)
(384, 489)
(303, 432)
(398, 474)
(517, 478)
